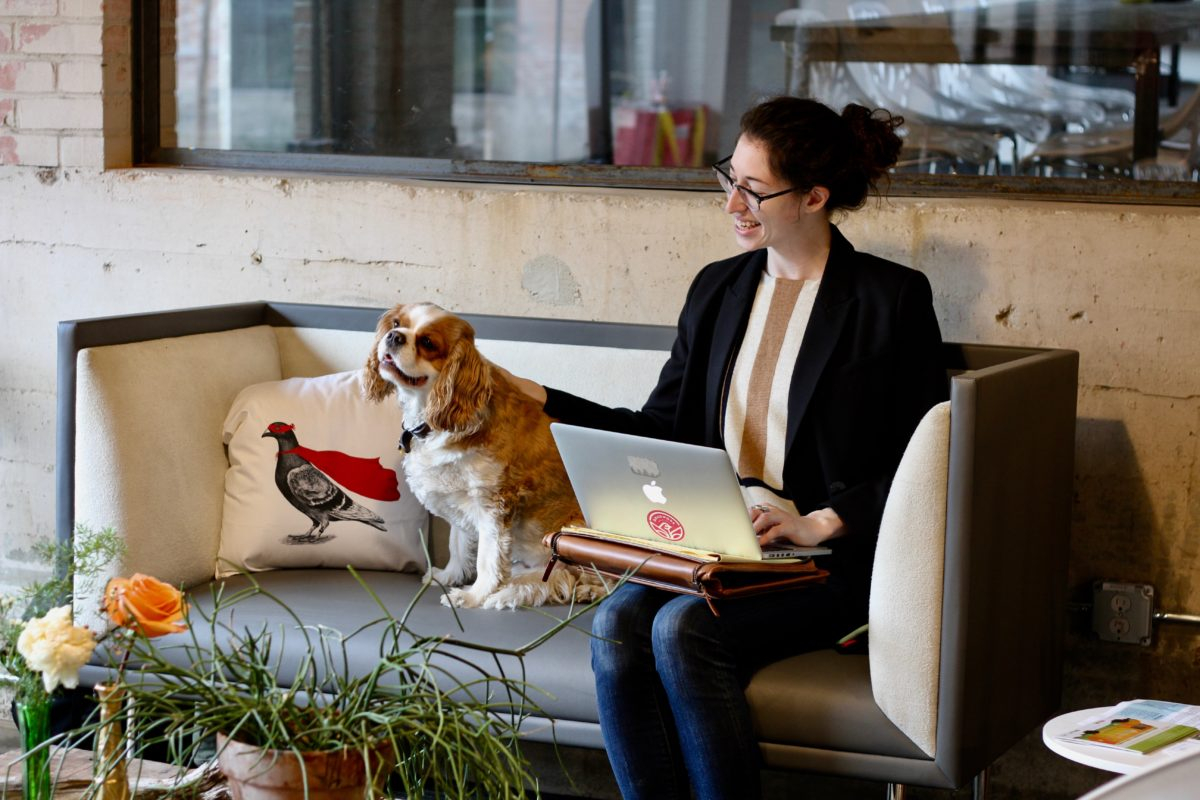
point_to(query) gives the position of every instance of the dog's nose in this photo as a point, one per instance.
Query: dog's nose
(395, 339)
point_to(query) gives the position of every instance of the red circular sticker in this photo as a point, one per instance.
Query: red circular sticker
(665, 525)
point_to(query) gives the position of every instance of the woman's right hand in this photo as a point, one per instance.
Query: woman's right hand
(772, 524)
(527, 387)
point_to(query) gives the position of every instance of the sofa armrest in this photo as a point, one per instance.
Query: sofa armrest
(1012, 447)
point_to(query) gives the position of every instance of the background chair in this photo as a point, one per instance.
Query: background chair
(1171, 780)
(934, 93)
(1109, 150)
(1070, 106)
(928, 145)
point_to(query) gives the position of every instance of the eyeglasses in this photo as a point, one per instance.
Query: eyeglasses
(752, 198)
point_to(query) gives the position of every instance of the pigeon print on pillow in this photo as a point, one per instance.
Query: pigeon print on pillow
(316, 482)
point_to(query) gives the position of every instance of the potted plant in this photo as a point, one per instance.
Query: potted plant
(408, 718)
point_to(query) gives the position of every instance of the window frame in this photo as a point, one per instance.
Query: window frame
(148, 151)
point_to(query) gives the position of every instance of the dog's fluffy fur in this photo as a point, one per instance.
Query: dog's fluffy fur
(487, 464)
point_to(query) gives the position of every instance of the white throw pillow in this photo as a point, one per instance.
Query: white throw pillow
(352, 487)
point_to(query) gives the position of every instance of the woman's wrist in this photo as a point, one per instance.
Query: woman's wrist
(825, 524)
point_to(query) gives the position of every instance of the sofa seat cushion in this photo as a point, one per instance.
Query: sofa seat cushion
(831, 693)
(559, 670)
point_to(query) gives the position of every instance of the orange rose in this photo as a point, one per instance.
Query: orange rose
(146, 604)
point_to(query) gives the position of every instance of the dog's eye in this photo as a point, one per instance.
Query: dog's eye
(425, 343)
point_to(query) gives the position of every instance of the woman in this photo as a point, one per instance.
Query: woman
(811, 364)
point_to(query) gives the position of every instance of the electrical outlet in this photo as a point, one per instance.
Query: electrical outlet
(1123, 612)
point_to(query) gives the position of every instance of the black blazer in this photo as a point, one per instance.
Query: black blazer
(869, 367)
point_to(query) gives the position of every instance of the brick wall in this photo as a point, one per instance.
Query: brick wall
(65, 88)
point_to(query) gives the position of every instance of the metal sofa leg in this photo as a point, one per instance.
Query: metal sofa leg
(979, 789)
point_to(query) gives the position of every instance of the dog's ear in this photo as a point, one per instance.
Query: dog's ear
(374, 386)
(461, 392)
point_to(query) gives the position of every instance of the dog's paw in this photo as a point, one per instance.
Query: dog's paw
(463, 598)
(507, 598)
(443, 576)
(585, 593)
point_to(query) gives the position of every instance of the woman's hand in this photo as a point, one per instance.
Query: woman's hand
(774, 524)
(525, 386)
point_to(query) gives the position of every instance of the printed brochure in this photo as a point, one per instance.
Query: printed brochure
(1139, 726)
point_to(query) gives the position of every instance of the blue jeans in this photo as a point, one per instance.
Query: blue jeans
(670, 681)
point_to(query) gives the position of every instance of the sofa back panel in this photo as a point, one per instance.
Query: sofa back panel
(309, 352)
(906, 586)
(148, 454)
(608, 375)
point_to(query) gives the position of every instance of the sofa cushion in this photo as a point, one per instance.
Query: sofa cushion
(830, 692)
(269, 526)
(558, 672)
(612, 376)
(148, 460)
(309, 352)
(906, 586)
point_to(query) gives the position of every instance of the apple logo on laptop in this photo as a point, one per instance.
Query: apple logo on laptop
(654, 492)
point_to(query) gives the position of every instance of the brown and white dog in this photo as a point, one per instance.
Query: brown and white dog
(479, 455)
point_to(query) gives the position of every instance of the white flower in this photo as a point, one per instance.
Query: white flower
(56, 647)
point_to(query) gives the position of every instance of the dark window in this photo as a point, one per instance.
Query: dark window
(1084, 99)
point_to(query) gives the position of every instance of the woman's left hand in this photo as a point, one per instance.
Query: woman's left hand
(532, 390)
(773, 524)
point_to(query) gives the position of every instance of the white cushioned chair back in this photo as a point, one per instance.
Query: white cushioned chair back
(148, 455)
(906, 588)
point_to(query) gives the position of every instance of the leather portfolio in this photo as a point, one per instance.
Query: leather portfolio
(678, 570)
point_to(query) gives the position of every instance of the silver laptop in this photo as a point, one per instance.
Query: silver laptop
(669, 494)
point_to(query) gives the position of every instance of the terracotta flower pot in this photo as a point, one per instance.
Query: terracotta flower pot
(258, 774)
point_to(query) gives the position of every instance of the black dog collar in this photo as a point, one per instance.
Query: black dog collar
(419, 432)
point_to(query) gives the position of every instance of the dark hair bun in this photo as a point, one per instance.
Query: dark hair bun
(875, 131)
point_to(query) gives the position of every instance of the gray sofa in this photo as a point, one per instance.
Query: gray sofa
(968, 606)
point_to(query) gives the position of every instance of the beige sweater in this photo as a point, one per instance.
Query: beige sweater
(756, 408)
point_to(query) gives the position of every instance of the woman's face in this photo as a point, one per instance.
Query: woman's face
(778, 221)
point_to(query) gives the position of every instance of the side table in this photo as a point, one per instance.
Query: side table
(71, 770)
(1106, 758)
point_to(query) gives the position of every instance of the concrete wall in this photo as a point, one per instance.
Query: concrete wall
(81, 236)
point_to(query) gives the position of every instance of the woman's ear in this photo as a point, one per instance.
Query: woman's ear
(461, 391)
(373, 385)
(815, 199)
